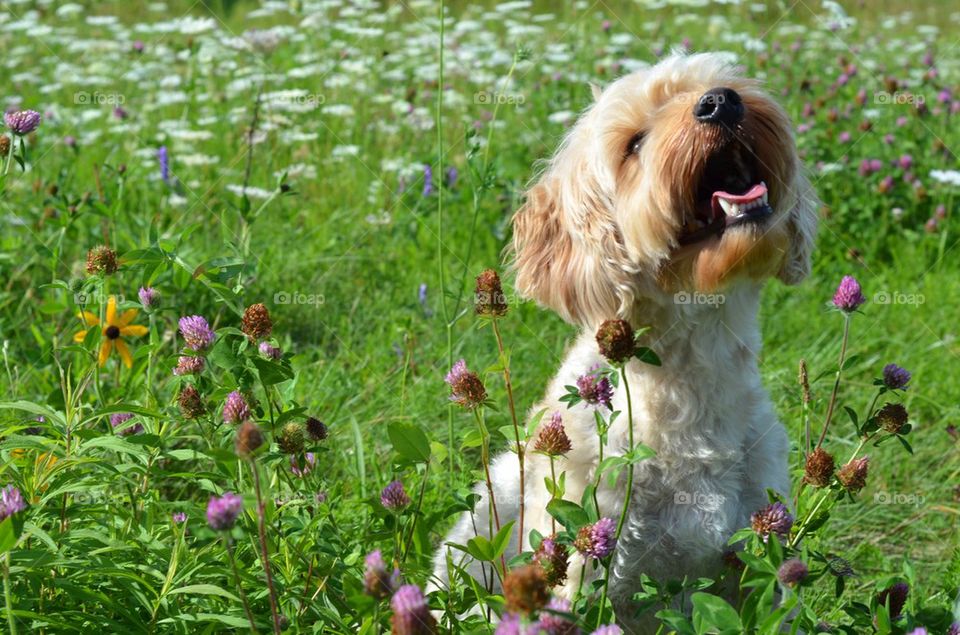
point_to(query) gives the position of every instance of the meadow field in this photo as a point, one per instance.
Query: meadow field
(351, 167)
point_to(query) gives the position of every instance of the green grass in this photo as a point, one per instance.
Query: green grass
(369, 354)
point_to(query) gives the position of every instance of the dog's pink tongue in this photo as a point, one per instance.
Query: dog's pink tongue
(753, 194)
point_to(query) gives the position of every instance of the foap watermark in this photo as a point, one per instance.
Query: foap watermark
(96, 98)
(699, 499)
(497, 98)
(697, 298)
(296, 297)
(884, 98)
(898, 297)
(96, 298)
(898, 498)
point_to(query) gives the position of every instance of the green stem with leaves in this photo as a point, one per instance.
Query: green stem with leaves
(836, 383)
(236, 577)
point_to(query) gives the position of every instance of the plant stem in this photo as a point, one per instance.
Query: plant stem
(262, 531)
(416, 513)
(516, 430)
(553, 494)
(236, 577)
(485, 459)
(627, 496)
(836, 383)
(6, 594)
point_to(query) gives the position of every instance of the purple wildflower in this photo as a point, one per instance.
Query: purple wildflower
(196, 332)
(844, 137)
(792, 572)
(270, 351)
(894, 596)
(597, 540)
(11, 502)
(954, 629)
(189, 365)
(772, 519)
(452, 175)
(120, 113)
(235, 408)
(179, 517)
(378, 582)
(553, 624)
(309, 460)
(120, 418)
(515, 624)
(222, 512)
(148, 297)
(466, 388)
(70, 141)
(394, 497)
(595, 390)
(411, 614)
(138, 46)
(22, 122)
(609, 629)
(905, 161)
(848, 296)
(163, 157)
(427, 180)
(895, 377)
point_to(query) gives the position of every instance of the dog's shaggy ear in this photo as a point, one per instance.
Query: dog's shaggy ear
(803, 231)
(565, 251)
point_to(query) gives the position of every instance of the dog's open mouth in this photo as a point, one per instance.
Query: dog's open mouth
(730, 194)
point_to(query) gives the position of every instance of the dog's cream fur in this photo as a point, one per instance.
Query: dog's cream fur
(597, 239)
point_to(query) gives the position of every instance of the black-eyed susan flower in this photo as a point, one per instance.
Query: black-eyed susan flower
(115, 328)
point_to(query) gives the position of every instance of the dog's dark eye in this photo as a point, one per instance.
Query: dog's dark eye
(635, 143)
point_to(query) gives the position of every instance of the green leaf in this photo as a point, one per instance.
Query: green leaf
(712, 613)
(409, 441)
(10, 530)
(502, 540)
(204, 589)
(271, 372)
(647, 356)
(567, 513)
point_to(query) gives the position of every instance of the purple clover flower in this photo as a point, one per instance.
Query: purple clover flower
(22, 122)
(609, 629)
(394, 497)
(309, 460)
(411, 613)
(597, 540)
(222, 512)
(189, 365)
(179, 517)
(772, 519)
(196, 332)
(895, 377)
(148, 296)
(270, 351)
(514, 624)
(11, 502)
(595, 390)
(120, 418)
(378, 582)
(235, 408)
(848, 296)
(553, 624)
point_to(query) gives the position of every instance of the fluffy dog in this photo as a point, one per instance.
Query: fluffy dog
(676, 195)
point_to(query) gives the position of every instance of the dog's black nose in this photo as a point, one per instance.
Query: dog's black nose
(721, 106)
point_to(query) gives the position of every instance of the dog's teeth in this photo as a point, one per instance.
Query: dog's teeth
(764, 197)
(727, 207)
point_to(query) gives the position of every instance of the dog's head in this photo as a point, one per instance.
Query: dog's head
(680, 177)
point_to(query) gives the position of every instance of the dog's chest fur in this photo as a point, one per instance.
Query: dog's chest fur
(717, 440)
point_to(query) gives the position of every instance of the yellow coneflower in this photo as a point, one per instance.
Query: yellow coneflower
(114, 328)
